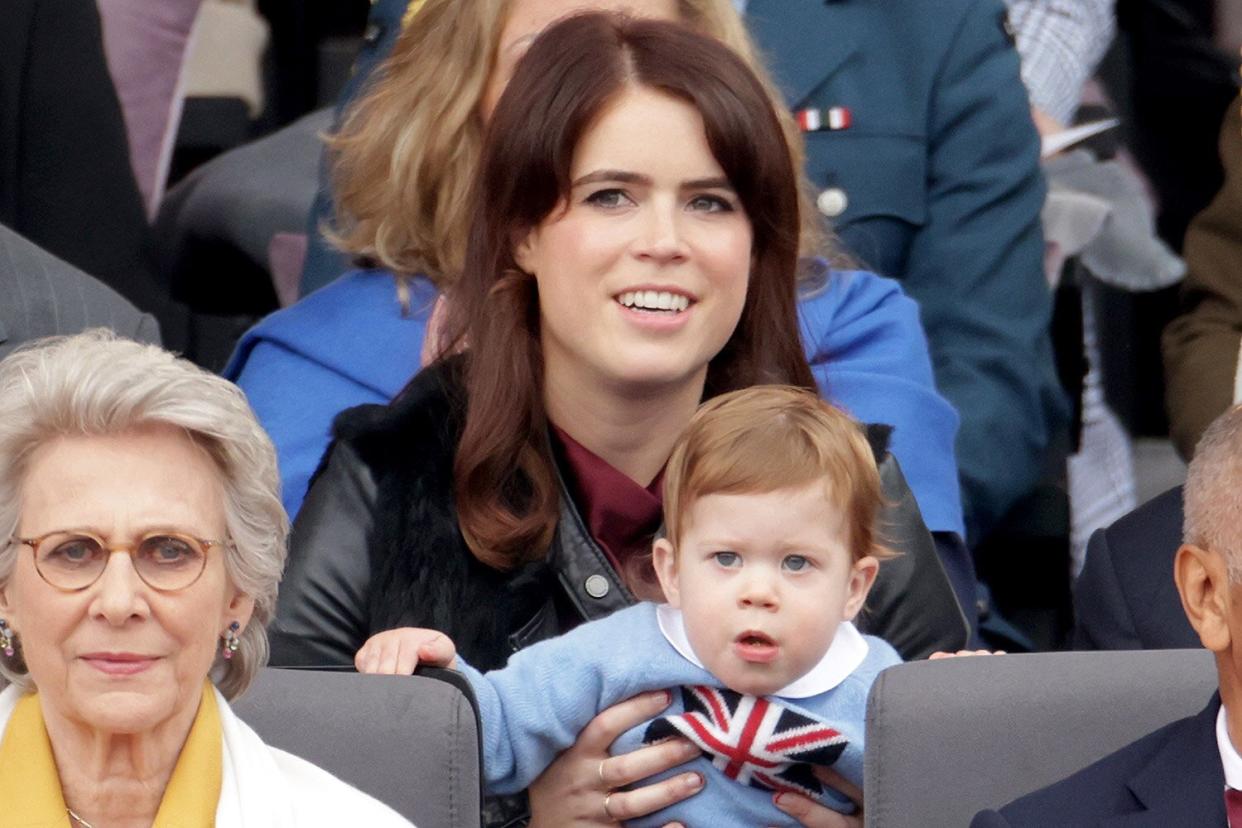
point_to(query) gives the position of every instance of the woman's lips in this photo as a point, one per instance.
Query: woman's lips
(756, 648)
(119, 664)
(656, 321)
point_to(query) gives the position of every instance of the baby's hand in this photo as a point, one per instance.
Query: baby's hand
(397, 652)
(960, 653)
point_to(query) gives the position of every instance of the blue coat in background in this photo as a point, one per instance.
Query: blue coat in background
(936, 183)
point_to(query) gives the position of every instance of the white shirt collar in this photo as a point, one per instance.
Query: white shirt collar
(1229, 757)
(847, 651)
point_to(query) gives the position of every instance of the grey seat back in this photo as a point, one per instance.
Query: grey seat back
(946, 739)
(410, 741)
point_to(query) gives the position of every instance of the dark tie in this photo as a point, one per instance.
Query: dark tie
(1233, 807)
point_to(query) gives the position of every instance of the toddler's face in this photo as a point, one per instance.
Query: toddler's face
(763, 581)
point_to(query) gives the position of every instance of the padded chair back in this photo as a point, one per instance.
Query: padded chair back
(410, 741)
(946, 739)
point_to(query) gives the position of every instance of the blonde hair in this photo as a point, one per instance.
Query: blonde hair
(1213, 492)
(97, 384)
(405, 158)
(772, 437)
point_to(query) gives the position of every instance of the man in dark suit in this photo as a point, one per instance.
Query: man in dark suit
(1125, 598)
(1178, 775)
(40, 296)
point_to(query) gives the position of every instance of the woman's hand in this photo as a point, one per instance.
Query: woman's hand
(813, 815)
(939, 654)
(398, 652)
(580, 787)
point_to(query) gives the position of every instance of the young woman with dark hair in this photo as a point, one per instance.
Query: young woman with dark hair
(633, 251)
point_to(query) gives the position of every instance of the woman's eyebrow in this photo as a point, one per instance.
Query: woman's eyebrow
(627, 177)
(718, 183)
(622, 176)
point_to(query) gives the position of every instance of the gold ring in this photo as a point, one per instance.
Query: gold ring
(607, 812)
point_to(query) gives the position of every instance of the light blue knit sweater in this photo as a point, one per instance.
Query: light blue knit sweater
(536, 706)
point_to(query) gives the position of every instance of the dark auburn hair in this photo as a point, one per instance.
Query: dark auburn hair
(505, 485)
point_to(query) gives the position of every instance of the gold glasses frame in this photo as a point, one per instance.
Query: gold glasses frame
(111, 548)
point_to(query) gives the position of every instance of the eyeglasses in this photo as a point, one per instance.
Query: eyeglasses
(165, 561)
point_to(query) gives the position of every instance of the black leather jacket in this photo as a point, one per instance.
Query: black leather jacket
(376, 546)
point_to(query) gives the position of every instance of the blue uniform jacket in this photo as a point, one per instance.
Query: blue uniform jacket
(938, 175)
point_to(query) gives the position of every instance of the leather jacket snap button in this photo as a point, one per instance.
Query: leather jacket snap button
(596, 586)
(832, 202)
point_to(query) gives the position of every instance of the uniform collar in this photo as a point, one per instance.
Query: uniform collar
(846, 653)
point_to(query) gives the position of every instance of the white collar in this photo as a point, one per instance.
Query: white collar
(847, 651)
(1229, 757)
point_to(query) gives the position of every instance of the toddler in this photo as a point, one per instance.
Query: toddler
(770, 498)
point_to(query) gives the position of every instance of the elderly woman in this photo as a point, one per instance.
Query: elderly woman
(142, 542)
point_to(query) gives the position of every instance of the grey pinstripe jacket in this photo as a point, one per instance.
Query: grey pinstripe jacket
(41, 295)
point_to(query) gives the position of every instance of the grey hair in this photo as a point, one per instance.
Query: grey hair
(1213, 493)
(96, 383)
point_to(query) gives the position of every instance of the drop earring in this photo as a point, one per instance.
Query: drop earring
(6, 638)
(231, 640)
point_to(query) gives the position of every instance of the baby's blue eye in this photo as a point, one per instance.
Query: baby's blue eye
(727, 559)
(796, 563)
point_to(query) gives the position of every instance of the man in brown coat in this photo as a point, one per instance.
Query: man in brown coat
(1201, 346)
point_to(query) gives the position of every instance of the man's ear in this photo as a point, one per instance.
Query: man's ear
(1202, 578)
(664, 559)
(862, 576)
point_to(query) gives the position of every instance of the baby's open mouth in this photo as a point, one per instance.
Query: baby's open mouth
(756, 647)
(653, 301)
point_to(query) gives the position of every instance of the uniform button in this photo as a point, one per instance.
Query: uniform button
(597, 586)
(832, 202)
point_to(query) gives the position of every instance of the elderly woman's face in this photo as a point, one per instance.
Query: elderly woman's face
(527, 18)
(120, 656)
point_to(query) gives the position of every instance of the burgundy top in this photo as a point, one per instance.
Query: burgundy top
(622, 516)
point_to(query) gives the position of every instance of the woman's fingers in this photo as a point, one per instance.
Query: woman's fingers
(835, 780)
(813, 815)
(623, 805)
(939, 654)
(437, 652)
(604, 729)
(628, 768)
(390, 653)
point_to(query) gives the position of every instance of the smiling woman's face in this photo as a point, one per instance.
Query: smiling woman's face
(120, 656)
(527, 18)
(642, 272)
